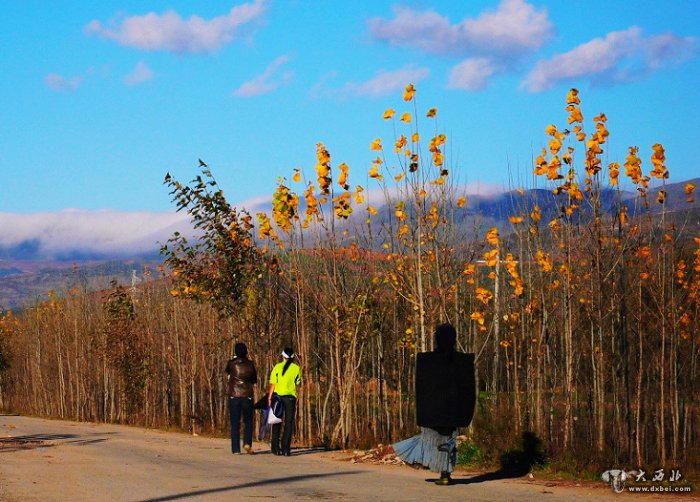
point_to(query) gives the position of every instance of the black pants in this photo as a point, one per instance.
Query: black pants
(237, 407)
(290, 407)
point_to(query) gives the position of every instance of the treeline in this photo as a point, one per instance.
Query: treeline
(585, 323)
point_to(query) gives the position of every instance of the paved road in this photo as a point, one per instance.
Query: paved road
(49, 460)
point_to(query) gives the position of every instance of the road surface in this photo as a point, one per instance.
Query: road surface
(51, 460)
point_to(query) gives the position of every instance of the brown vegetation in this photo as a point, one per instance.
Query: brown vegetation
(586, 327)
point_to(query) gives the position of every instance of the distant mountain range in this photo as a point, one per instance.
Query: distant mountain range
(25, 282)
(499, 208)
(27, 275)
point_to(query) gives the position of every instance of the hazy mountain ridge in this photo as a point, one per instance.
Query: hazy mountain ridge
(34, 280)
(26, 276)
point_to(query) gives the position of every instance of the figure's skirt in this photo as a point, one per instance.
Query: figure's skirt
(423, 449)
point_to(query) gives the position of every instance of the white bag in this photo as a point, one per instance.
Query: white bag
(271, 418)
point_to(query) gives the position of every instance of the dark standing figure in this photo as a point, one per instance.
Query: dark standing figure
(242, 377)
(445, 400)
(284, 379)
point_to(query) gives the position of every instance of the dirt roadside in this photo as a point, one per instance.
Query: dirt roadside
(50, 460)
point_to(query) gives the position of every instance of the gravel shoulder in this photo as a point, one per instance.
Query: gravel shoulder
(51, 460)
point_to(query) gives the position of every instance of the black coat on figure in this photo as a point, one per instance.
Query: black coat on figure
(445, 389)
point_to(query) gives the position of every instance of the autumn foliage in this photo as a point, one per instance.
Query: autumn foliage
(584, 320)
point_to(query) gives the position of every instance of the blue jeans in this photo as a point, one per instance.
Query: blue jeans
(290, 405)
(237, 407)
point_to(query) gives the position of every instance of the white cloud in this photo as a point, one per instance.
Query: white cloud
(266, 82)
(319, 89)
(109, 233)
(169, 32)
(619, 57)
(472, 74)
(669, 49)
(515, 27)
(60, 83)
(140, 74)
(387, 82)
(478, 191)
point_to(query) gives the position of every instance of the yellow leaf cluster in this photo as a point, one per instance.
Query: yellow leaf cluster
(492, 236)
(434, 148)
(512, 269)
(323, 169)
(614, 169)
(359, 198)
(633, 167)
(554, 225)
(484, 295)
(343, 178)
(265, 230)
(469, 270)
(575, 114)
(623, 215)
(400, 143)
(413, 166)
(311, 205)
(572, 97)
(478, 317)
(689, 189)
(433, 215)
(658, 160)
(491, 257)
(374, 172)
(409, 92)
(284, 207)
(593, 162)
(543, 260)
(342, 206)
(541, 163)
(399, 212)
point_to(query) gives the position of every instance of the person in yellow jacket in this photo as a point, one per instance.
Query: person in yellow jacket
(285, 377)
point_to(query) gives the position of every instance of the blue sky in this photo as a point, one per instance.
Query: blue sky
(100, 99)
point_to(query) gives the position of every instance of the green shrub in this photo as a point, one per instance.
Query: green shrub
(469, 454)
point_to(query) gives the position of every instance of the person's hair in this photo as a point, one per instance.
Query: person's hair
(445, 338)
(240, 350)
(288, 353)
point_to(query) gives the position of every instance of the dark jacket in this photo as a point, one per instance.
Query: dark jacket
(445, 389)
(242, 377)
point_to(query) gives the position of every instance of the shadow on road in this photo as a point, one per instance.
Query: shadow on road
(38, 437)
(296, 451)
(289, 479)
(487, 476)
(28, 442)
(307, 451)
(515, 463)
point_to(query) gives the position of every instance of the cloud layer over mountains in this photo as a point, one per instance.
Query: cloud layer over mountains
(84, 234)
(81, 234)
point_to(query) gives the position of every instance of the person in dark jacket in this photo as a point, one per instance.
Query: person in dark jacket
(445, 400)
(242, 377)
